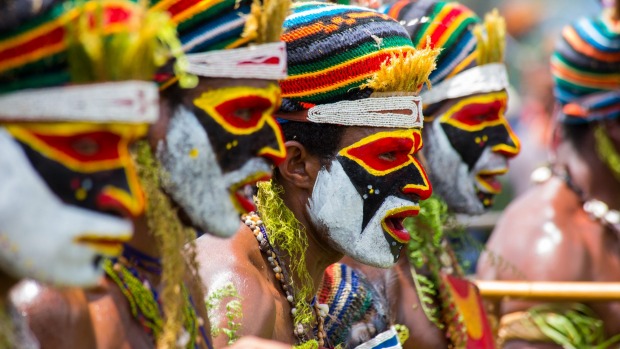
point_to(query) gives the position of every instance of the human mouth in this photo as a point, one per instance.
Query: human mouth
(244, 191)
(104, 245)
(393, 222)
(487, 179)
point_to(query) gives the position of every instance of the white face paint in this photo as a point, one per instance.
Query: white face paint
(337, 208)
(38, 232)
(448, 172)
(194, 179)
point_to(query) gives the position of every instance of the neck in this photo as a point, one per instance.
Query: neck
(318, 257)
(143, 239)
(595, 179)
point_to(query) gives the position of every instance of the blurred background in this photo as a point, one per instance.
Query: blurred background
(532, 28)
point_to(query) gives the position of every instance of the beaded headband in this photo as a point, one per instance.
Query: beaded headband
(267, 61)
(111, 102)
(481, 79)
(373, 112)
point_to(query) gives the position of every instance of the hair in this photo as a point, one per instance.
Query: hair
(321, 140)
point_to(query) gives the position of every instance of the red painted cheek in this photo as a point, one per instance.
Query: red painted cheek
(253, 108)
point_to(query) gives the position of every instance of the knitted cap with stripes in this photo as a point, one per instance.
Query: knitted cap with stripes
(334, 50)
(448, 24)
(586, 69)
(80, 42)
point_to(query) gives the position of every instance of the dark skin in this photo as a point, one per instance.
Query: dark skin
(559, 241)
(240, 261)
(101, 317)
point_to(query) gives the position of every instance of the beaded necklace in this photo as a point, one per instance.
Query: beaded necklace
(253, 221)
(143, 298)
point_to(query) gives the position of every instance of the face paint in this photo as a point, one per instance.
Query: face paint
(63, 185)
(362, 199)
(218, 148)
(468, 146)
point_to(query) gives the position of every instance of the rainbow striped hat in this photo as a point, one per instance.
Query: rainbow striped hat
(471, 60)
(349, 65)
(586, 69)
(91, 43)
(231, 38)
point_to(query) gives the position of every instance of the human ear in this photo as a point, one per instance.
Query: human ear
(613, 130)
(299, 168)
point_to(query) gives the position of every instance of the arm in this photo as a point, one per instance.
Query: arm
(240, 301)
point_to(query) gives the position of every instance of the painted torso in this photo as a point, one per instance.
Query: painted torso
(558, 242)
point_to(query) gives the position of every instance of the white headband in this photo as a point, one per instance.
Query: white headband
(109, 102)
(481, 79)
(267, 61)
(373, 112)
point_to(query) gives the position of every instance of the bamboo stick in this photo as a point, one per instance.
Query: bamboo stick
(551, 291)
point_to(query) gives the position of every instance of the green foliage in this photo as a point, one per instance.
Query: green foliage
(287, 235)
(234, 311)
(575, 327)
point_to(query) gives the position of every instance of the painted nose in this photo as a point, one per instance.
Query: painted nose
(275, 150)
(422, 188)
(510, 145)
(128, 202)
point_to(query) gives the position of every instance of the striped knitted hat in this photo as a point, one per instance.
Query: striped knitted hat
(471, 60)
(208, 28)
(81, 42)
(586, 69)
(345, 53)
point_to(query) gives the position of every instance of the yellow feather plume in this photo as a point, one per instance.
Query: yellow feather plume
(407, 70)
(264, 23)
(491, 37)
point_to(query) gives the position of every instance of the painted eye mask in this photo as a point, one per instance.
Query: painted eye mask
(242, 124)
(381, 166)
(477, 122)
(86, 165)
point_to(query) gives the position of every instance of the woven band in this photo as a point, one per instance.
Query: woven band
(109, 102)
(267, 61)
(481, 79)
(373, 112)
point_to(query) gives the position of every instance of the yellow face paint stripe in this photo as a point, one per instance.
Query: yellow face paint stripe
(211, 99)
(478, 99)
(408, 134)
(280, 151)
(128, 134)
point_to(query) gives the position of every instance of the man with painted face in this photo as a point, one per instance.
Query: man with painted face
(211, 141)
(572, 228)
(467, 143)
(352, 123)
(68, 186)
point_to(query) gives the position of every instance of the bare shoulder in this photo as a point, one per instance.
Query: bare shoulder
(539, 237)
(57, 318)
(240, 293)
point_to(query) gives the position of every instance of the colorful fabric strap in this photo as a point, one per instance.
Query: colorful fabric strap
(586, 69)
